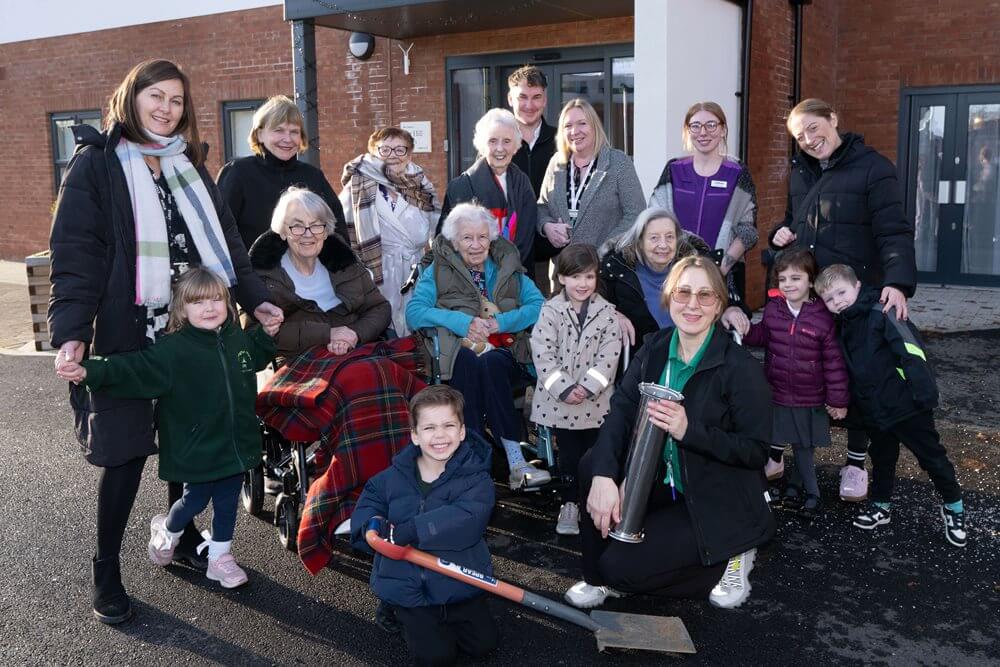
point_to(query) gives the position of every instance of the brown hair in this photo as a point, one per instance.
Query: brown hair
(715, 280)
(832, 274)
(798, 258)
(121, 106)
(389, 133)
(433, 396)
(600, 138)
(197, 283)
(528, 76)
(713, 108)
(577, 258)
(812, 106)
(276, 111)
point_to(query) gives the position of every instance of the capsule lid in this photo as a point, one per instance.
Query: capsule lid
(659, 392)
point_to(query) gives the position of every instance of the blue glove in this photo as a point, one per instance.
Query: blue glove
(380, 525)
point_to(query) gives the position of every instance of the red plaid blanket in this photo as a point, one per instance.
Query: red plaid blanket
(357, 406)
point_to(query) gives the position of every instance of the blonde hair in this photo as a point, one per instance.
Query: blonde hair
(812, 106)
(713, 108)
(272, 113)
(831, 274)
(196, 284)
(600, 138)
(715, 281)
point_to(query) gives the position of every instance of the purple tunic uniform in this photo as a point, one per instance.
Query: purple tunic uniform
(700, 202)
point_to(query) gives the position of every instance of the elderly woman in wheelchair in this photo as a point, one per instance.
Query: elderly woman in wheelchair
(475, 293)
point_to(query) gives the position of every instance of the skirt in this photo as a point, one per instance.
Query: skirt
(802, 427)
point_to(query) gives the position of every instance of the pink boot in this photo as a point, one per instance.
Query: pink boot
(853, 484)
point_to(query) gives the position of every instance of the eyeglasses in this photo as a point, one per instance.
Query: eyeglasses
(711, 127)
(398, 151)
(317, 229)
(682, 295)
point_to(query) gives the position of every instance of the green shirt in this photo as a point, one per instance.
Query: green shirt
(675, 375)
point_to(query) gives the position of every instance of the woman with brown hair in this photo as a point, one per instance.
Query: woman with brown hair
(135, 211)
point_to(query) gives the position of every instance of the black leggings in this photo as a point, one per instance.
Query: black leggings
(572, 446)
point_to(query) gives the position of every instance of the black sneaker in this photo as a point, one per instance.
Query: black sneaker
(811, 507)
(954, 526)
(792, 500)
(872, 517)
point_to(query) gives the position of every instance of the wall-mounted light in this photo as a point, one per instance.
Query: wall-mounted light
(362, 45)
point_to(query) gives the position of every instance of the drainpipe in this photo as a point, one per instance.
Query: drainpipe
(796, 95)
(304, 68)
(745, 84)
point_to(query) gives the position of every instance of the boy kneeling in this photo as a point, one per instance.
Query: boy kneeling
(892, 384)
(436, 496)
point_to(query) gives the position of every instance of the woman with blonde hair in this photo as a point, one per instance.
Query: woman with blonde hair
(711, 194)
(252, 185)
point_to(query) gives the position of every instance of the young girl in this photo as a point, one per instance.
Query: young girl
(575, 344)
(806, 371)
(204, 375)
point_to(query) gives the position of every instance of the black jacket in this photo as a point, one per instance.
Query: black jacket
(852, 213)
(534, 161)
(252, 186)
(93, 288)
(722, 455)
(477, 184)
(891, 379)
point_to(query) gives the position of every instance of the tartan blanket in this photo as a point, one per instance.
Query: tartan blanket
(356, 405)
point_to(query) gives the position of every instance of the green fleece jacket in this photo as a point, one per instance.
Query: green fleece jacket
(206, 385)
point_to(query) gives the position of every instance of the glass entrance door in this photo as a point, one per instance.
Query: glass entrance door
(953, 184)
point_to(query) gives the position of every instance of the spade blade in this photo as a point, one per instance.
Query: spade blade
(649, 633)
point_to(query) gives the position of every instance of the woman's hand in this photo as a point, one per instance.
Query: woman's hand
(480, 329)
(891, 296)
(342, 340)
(557, 233)
(271, 329)
(734, 318)
(268, 314)
(604, 504)
(69, 352)
(783, 237)
(669, 416)
(625, 324)
(72, 371)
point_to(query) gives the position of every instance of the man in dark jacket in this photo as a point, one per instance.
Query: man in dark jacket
(894, 390)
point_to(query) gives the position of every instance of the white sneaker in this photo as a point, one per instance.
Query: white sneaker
(344, 528)
(734, 587)
(528, 476)
(584, 596)
(569, 519)
(161, 544)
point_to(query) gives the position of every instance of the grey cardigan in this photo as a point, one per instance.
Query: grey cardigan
(609, 205)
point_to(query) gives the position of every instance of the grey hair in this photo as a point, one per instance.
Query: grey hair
(466, 213)
(628, 244)
(311, 202)
(501, 117)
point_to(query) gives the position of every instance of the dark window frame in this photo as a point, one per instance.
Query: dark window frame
(77, 117)
(229, 107)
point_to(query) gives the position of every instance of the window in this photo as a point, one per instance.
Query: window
(62, 137)
(237, 118)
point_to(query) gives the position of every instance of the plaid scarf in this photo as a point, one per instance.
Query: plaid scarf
(152, 272)
(357, 405)
(364, 174)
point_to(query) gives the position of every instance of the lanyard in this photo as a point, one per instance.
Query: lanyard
(576, 189)
(670, 441)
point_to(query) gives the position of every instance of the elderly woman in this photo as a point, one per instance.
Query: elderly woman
(252, 185)
(492, 181)
(327, 296)
(707, 511)
(476, 293)
(125, 229)
(392, 207)
(637, 264)
(590, 192)
(712, 195)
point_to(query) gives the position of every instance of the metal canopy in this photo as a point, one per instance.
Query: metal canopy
(403, 19)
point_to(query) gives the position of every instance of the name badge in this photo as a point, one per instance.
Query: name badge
(719, 184)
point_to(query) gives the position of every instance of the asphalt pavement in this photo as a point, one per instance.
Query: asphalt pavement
(823, 593)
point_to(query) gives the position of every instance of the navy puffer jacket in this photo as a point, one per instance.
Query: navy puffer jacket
(450, 523)
(803, 362)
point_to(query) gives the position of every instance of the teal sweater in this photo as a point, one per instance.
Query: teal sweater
(206, 385)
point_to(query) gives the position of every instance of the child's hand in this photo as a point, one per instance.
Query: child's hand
(73, 372)
(271, 329)
(576, 396)
(836, 413)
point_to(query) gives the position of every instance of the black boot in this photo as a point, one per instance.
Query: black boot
(111, 603)
(186, 552)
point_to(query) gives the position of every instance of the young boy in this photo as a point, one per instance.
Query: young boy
(892, 385)
(436, 496)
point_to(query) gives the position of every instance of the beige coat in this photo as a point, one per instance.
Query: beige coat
(566, 354)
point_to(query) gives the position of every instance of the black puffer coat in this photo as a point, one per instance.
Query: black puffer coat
(852, 213)
(93, 288)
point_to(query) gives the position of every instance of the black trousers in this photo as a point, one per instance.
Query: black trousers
(667, 562)
(436, 635)
(919, 436)
(572, 446)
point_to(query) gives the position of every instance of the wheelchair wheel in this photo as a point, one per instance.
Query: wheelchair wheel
(286, 518)
(252, 494)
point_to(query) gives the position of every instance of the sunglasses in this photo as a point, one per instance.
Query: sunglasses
(682, 295)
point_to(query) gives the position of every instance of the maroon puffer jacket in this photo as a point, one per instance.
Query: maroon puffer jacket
(803, 363)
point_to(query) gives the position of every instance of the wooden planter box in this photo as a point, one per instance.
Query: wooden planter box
(37, 266)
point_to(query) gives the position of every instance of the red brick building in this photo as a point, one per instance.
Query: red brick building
(922, 82)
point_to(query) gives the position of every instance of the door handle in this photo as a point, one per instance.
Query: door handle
(944, 192)
(959, 192)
